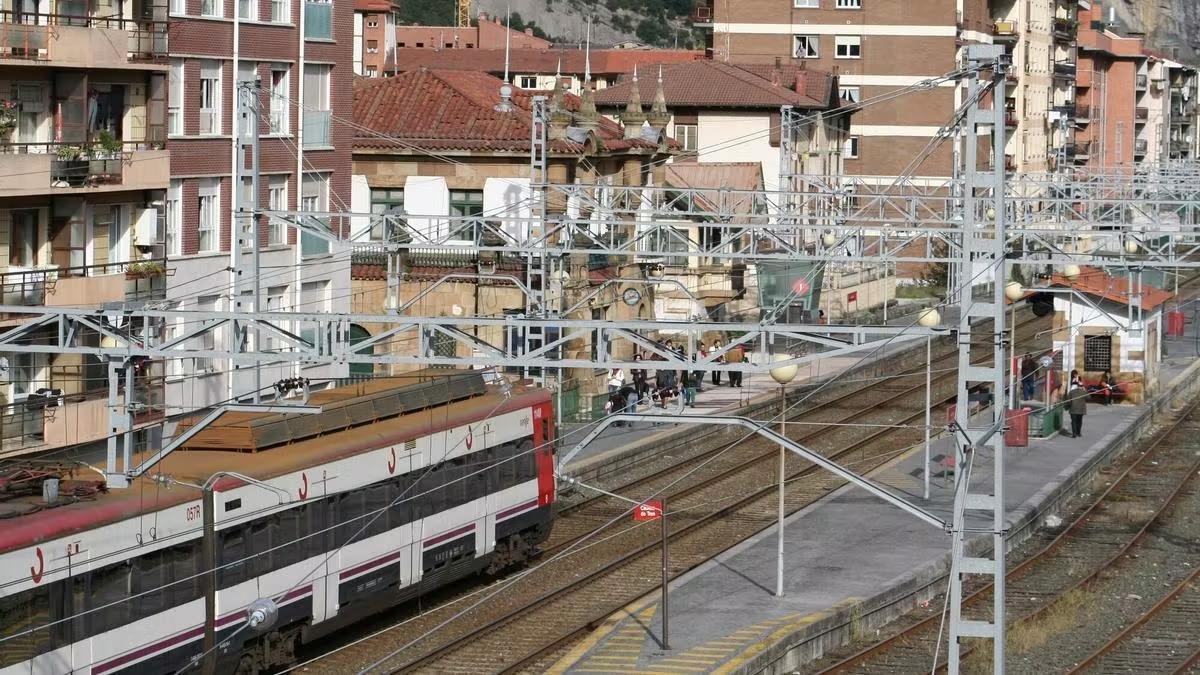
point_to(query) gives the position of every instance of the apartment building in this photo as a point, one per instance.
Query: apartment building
(489, 32)
(1182, 93)
(300, 54)
(85, 173)
(1040, 36)
(877, 48)
(375, 24)
(1106, 86)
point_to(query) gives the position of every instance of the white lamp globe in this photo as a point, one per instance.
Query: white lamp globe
(1013, 291)
(828, 239)
(1131, 245)
(784, 374)
(1071, 271)
(929, 318)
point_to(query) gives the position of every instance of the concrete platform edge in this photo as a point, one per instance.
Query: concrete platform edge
(809, 639)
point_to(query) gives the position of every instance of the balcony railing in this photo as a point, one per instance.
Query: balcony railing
(75, 165)
(145, 280)
(1010, 118)
(1141, 114)
(1064, 68)
(1005, 30)
(37, 36)
(1066, 28)
(1140, 147)
(1083, 112)
(316, 128)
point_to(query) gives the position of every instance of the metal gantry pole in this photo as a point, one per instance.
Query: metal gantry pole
(928, 405)
(666, 576)
(782, 479)
(983, 256)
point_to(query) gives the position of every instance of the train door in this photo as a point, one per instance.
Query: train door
(543, 442)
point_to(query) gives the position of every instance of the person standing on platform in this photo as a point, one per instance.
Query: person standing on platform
(616, 380)
(1028, 377)
(716, 374)
(639, 377)
(1077, 400)
(735, 355)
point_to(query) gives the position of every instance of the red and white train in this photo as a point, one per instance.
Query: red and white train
(113, 581)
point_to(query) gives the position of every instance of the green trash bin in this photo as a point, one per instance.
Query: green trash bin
(1044, 423)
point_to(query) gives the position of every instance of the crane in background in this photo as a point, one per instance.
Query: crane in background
(463, 13)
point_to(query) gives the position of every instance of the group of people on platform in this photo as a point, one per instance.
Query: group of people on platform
(657, 386)
(1076, 395)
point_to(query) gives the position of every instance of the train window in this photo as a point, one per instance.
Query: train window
(400, 497)
(317, 514)
(285, 532)
(376, 514)
(231, 557)
(110, 598)
(349, 518)
(260, 544)
(19, 613)
(526, 461)
(150, 575)
(184, 560)
(508, 467)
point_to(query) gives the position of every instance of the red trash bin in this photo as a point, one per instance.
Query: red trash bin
(1017, 434)
(1175, 323)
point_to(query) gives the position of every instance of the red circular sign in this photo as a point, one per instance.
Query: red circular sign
(801, 286)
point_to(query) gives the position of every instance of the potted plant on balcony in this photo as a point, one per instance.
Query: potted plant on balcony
(70, 166)
(146, 269)
(105, 165)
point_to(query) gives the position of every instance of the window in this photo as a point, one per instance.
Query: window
(280, 100)
(373, 21)
(850, 149)
(318, 19)
(372, 46)
(806, 4)
(527, 81)
(210, 97)
(316, 113)
(686, 135)
(314, 197)
(247, 9)
(849, 4)
(208, 340)
(211, 7)
(209, 210)
(466, 203)
(175, 98)
(22, 238)
(805, 46)
(847, 47)
(280, 11)
(118, 245)
(179, 7)
(174, 217)
(851, 94)
(22, 372)
(372, 71)
(276, 302)
(314, 299)
(277, 200)
(1097, 353)
(384, 201)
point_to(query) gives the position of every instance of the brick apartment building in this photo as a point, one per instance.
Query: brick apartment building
(1106, 84)
(876, 48)
(302, 53)
(375, 24)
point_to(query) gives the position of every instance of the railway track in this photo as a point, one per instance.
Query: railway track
(542, 612)
(1065, 560)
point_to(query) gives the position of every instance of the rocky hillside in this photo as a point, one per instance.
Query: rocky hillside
(1171, 26)
(661, 23)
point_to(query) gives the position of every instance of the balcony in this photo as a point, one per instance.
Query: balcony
(86, 285)
(1010, 163)
(1065, 29)
(1179, 148)
(1083, 78)
(1067, 110)
(1005, 31)
(1064, 68)
(702, 14)
(1083, 150)
(1140, 147)
(1141, 114)
(64, 168)
(80, 41)
(1010, 118)
(1083, 113)
(1142, 82)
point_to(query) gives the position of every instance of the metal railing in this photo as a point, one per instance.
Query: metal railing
(1064, 67)
(145, 280)
(28, 35)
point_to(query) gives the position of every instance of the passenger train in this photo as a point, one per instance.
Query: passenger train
(106, 581)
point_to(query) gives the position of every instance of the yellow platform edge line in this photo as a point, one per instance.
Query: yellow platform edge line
(573, 657)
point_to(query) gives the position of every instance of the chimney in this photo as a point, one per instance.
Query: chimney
(776, 74)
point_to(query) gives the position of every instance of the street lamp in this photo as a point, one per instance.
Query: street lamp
(1071, 271)
(782, 375)
(929, 318)
(1014, 292)
(828, 238)
(1131, 245)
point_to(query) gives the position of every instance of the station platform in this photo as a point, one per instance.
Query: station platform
(848, 547)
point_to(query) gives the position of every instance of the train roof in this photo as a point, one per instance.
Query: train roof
(84, 504)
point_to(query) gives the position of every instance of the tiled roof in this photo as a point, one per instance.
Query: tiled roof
(454, 110)
(1104, 286)
(539, 61)
(712, 84)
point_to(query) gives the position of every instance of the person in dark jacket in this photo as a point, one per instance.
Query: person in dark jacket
(639, 378)
(1077, 400)
(1028, 377)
